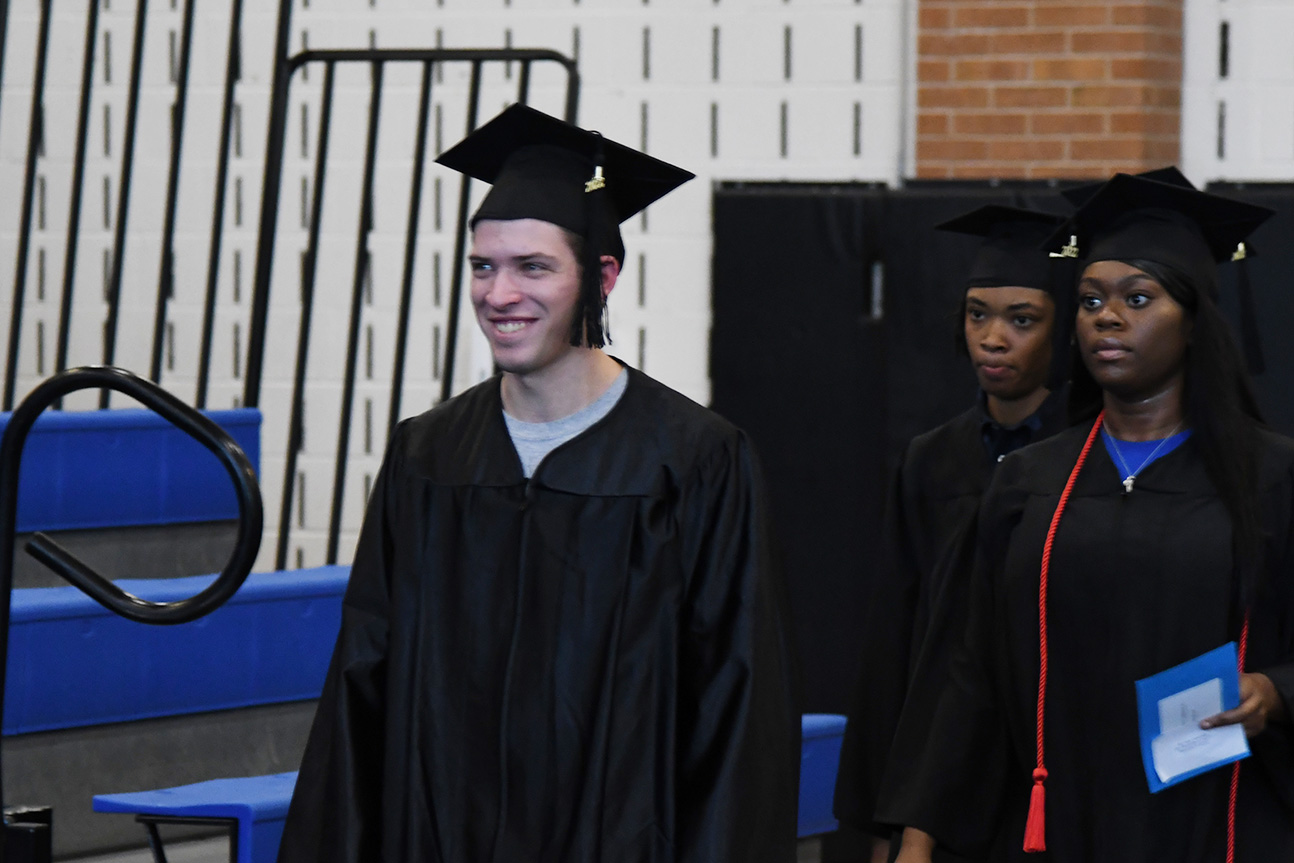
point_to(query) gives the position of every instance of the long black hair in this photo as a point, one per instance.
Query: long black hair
(1219, 406)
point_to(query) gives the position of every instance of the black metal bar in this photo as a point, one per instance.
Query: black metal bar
(435, 55)
(303, 327)
(270, 190)
(362, 264)
(410, 245)
(78, 181)
(460, 246)
(572, 93)
(4, 37)
(151, 821)
(154, 841)
(123, 195)
(523, 83)
(285, 67)
(35, 135)
(98, 588)
(233, 72)
(166, 275)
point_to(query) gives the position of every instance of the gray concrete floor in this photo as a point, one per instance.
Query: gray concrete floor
(191, 851)
(217, 851)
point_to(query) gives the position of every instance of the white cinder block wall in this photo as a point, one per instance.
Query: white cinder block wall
(1238, 94)
(730, 89)
(801, 90)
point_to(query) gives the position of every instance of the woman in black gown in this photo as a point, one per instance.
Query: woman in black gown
(1174, 538)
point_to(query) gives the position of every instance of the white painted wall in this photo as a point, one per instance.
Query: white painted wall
(1238, 116)
(800, 90)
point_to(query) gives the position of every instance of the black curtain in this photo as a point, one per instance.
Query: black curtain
(1271, 276)
(830, 393)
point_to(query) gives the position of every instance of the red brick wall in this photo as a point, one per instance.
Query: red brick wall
(1047, 88)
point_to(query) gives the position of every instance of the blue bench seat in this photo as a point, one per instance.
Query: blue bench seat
(820, 737)
(110, 468)
(73, 663)
(255, 807)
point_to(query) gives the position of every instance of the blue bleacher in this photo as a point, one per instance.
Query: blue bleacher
(256, 805)
(74, 664)
(115, 468)
(259, 804)
(820, 737)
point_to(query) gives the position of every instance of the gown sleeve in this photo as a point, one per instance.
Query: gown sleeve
(886, 631)
(738, 725)
(948, 774)
(335, 814)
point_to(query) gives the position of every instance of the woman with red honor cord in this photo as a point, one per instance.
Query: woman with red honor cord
(1124, 687)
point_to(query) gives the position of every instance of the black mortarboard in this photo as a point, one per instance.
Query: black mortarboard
(547, 169)
(1011, 252)
(1140, 218)
(1134, 217)
(1080, 195)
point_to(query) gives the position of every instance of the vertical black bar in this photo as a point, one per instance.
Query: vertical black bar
(410, 243)
(34, 137)
(356, 309)
(233, 72)
(4, 37)
(523, 84)
(269, 208)
(1224, 50)
(295, 430)
(572, 93)
(166, 274)
(460, 245)
(78, 180)
(123, 195)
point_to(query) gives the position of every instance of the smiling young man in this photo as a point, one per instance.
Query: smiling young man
(1010, 331)
(563, 636)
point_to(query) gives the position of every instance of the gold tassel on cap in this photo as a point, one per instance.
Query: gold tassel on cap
(1069, 251)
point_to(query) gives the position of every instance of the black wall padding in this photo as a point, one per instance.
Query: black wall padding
(796, 361)
(829, 395)
(1271, 273)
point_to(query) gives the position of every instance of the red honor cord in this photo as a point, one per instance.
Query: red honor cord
(1035, 831)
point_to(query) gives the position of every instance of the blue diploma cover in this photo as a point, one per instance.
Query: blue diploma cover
(1171, 704)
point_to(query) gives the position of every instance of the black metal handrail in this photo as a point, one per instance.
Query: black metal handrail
(98, 588)
(376, 59)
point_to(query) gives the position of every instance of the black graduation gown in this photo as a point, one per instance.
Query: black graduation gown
(1138, 583)
(587, 666)
(933, 500)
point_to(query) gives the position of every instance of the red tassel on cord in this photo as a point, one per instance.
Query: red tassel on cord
(1035, 829)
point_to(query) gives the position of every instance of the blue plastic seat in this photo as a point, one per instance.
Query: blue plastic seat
(253, 807)
(820, 738)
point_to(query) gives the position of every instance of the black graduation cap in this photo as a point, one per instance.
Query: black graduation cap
(1011, 255)
(1134, 217)
(1140, 218)
(547, 169)
(1011, 252)
(1080, 195)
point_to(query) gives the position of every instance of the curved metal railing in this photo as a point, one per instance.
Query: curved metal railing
(63, 562)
